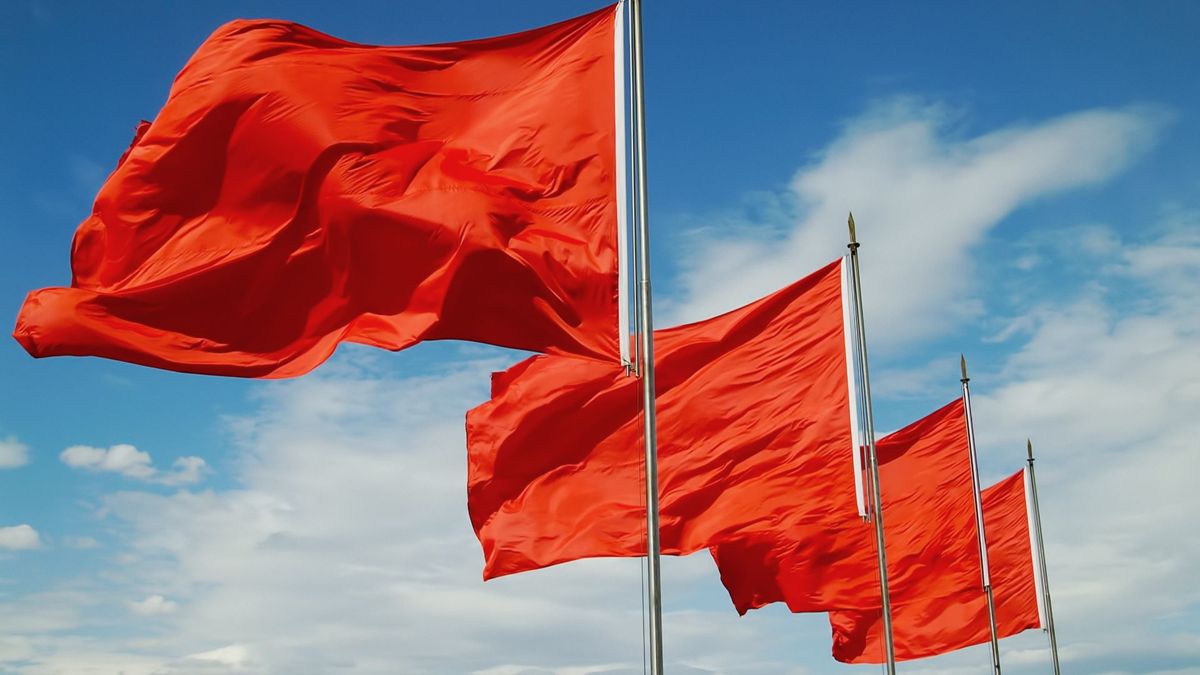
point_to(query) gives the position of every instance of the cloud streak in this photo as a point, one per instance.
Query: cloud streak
(924, 197)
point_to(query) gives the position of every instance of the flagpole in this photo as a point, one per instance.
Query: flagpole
(1037, 522)
(653, 590)
(983, 553)
(872, 458)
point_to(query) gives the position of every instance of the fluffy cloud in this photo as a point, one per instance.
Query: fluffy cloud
(19, 538)
(130, 462)
(924, 198)
(13, 453)
(347, 546)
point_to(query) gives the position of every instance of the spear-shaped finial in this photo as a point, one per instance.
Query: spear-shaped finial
(962, 362)
(853, 237)
(1029, 448)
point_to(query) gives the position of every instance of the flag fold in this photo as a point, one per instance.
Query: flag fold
(940, 617)
(298, 190)
(753, 433)
(929, 532)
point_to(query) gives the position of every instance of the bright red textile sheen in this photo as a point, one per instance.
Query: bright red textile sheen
(929, 530)
(753, 431)
(942, 618)
(298, 190)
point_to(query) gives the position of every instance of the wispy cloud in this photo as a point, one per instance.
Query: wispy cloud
(80, 543)
(924, 197)
(1107, 389)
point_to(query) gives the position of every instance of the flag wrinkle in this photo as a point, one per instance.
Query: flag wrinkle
(298, 190)
(744, 399)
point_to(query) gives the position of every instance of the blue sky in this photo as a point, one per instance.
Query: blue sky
(1025, 184)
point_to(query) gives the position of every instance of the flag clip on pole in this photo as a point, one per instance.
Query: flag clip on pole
(1041, 553)
(872, 458)
(983, 552)
(653, 591)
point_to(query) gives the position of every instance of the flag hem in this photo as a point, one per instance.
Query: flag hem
(1034, 550)
(619, 116)
(851, 386)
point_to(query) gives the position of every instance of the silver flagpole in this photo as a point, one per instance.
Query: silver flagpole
(872, 458)
(983, 554)
(653, 590)
(1037, 522)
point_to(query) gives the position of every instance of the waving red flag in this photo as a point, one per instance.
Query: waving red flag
(941, 618)
(754, 429)
(929, 530)
(298, 190)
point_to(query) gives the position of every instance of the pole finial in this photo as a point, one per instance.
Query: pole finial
(853, 236)
(962, 362)
(1029, 448)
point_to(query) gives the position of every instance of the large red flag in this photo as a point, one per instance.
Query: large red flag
(929, 530)
(754, 430)
(298, 190)
(942, 618)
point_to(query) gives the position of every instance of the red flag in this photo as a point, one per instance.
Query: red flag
(753, 427)
(298, 190)
(929, 530)
(942, 618)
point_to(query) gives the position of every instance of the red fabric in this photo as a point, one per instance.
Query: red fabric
(929, 531)
(943, 618)
(753, 431)
(298, 190)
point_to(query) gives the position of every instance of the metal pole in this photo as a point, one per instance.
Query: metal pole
(653, 590)
(983, 553)
(872, 458)
(1037, 522)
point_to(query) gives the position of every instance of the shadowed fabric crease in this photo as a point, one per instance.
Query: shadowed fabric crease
(298, 190)
(753, 426)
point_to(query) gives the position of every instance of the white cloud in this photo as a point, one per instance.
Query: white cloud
(121, 458)
(235, 657)
(130, 462)
(13, 453)
(1106, 385)
(81, 543)
(39, 613)
(187, 470)
(14, 648)
(84, 657)
(347, 546)
(923, 197)
(153, 605)
(19, 538)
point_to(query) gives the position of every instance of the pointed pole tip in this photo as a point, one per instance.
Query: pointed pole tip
(1029, 448)
(962, 362)
(850, 222)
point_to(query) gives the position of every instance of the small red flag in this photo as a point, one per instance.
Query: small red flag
(940, 617)
(298, 190)
(929, 530)
(753, 427)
